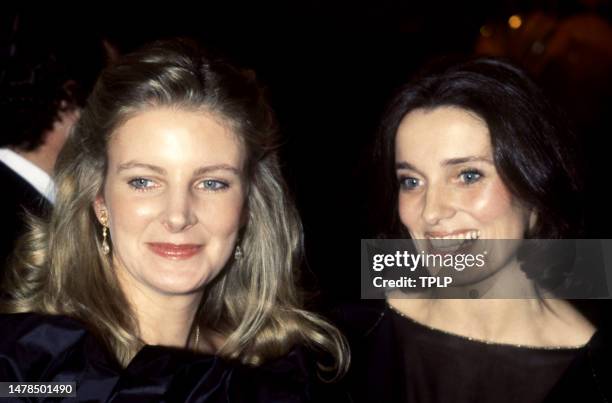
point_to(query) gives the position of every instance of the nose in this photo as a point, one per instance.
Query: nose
(180, 212)
(437, 205)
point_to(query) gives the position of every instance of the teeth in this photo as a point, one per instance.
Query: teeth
(452, 242)
(461, 236)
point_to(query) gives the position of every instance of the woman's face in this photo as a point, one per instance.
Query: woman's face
(174, 194)
(449, 186)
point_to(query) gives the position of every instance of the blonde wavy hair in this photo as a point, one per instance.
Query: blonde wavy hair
(59, 266)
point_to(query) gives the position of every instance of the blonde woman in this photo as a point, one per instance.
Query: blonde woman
(172, 228)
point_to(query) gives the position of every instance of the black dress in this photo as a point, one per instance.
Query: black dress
(37, 348)
(396, 359)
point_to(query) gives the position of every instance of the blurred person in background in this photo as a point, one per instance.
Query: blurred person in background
(44, 79)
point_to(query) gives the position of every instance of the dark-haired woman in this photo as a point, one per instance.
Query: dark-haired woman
(475, 152)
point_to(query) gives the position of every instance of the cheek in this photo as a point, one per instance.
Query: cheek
(408, 211)
(221, 215)
(131, 214)
(488, 202)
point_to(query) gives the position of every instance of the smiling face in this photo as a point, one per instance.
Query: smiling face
(449, 185)
(450, 191)
(174, 196)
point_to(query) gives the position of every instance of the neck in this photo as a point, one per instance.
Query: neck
(162, 319)
(499, 315)
(508, 282)
(166, 321)
(485, 319)
(479, 318)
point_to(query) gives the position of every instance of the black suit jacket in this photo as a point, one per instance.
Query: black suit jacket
(17, 197)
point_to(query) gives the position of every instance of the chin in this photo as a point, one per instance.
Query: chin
(182, 286)
(178, 290)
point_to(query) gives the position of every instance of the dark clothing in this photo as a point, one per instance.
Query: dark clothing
(36, 348)
(449, 368)
(17, 196)
(396, 359)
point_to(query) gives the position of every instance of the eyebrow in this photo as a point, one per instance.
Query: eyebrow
(463, 160)
(448, 162)
(162, 171)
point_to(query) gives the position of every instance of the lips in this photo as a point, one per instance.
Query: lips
(174, 251)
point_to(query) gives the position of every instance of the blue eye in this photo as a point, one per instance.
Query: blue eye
(408, 183)
(470, 176)
(212, 184)
(141, 183)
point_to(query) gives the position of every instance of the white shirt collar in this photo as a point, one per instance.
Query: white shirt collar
(31, 173)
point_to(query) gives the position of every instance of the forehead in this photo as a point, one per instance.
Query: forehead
(426, 135)
(170, 135)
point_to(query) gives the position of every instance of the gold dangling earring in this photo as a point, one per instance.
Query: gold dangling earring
(104, 222)
(105, 247)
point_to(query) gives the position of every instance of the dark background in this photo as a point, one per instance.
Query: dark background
(330, 68)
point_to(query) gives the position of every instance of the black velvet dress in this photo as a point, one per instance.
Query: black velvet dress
(41, 348)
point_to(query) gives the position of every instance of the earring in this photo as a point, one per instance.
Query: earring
(238, 253)
(105, 247)
(104, 222)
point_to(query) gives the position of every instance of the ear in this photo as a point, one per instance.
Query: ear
(100, 210)
(67, 116)
(71, 116)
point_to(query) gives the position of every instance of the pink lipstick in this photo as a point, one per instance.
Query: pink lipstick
(174, 251)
